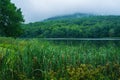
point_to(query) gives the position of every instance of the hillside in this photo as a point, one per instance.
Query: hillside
(74, 26)
(70, 16)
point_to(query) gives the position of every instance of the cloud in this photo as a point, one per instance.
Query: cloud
(36, 10)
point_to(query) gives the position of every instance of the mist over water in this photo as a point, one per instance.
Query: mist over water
(37, 10)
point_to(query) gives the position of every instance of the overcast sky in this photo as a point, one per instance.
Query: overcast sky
(37, 10)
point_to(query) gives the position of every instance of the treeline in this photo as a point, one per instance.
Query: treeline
(85, 27)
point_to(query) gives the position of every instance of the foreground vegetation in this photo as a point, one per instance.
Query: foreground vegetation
(11, 19)
(42, 60)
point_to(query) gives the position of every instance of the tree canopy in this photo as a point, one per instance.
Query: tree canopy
(10, 19)
(85, 27)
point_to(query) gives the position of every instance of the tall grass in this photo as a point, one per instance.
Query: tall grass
(35, 60)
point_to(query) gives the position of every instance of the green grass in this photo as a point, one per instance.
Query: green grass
(42, 60)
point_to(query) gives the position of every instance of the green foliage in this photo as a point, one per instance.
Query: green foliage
(10, 19)
(42, 60)
(83, 27)
(88, 72)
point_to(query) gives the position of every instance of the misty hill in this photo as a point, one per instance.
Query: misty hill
(74, 26)
(71, 16)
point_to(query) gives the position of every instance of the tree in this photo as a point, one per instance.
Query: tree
(10, 19)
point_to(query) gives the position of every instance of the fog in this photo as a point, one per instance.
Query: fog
(37, 10)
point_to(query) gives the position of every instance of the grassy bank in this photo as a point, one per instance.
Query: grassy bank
(42, 60)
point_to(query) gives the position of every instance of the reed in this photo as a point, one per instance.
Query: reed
(42, 60)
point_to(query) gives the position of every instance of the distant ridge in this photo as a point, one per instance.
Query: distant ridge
(75, 26)
(75, 15)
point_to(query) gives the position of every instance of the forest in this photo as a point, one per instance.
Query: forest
(74, 26)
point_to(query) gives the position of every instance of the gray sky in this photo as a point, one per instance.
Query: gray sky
(36, 10)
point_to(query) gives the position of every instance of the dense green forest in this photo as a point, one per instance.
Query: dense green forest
(74, 26)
